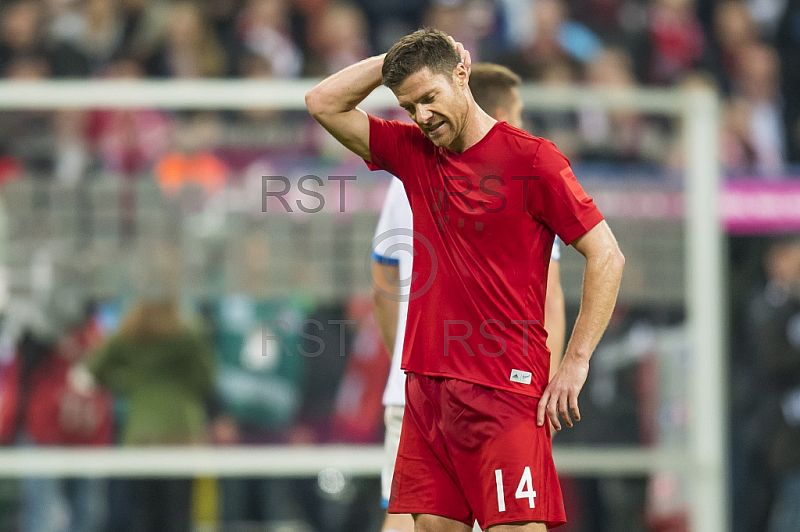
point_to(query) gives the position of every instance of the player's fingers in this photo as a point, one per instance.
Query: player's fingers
(563, 409)
(552, 412)
(540, 411)
(573, 407)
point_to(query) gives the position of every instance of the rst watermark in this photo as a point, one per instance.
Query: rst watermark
(306, 195)
(311, 338)
(311, 193)
(491, 339)
(306, 337)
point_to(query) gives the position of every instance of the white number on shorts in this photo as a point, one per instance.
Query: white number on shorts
(501, 498)
(524, 490)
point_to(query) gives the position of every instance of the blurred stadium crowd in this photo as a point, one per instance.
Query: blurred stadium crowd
(749, 50)
(114, 229)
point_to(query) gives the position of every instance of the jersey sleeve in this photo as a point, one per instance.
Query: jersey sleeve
(393, 233)
(557, 199)
(391, 144)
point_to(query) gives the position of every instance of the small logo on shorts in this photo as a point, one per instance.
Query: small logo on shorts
(522, 377)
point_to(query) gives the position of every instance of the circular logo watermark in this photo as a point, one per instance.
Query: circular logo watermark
(399, 247)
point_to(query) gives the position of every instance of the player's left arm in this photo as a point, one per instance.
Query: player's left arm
(386, 298)
(604, 265)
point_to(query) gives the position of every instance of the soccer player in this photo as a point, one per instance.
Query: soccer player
(494, 88)
(488, 200)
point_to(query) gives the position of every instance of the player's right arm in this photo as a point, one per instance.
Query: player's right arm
(333, 103)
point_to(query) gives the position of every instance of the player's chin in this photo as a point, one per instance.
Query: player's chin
(439, 138)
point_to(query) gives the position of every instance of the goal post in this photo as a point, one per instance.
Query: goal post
(702, 461)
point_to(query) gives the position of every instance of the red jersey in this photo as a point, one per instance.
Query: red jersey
(484, 224)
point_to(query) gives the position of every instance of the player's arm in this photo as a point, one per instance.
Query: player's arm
(555, 321)
(386, 296)
(333, 103)
(601, 279)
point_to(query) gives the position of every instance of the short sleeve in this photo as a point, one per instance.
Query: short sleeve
(557, 199)
(390, 144)
(394, 231)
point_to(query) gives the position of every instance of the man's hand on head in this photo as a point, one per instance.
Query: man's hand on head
(466, 60)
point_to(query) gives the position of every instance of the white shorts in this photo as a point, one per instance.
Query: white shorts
(393, 419)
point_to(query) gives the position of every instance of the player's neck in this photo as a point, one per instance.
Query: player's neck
(477, 125)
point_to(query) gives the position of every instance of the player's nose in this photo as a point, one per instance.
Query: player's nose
(424, 114)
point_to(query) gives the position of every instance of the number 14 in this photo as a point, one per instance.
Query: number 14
(524, 490)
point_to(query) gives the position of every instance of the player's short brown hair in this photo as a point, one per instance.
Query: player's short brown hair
(424, 48)
(491, 86)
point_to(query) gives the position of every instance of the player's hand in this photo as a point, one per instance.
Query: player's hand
(463, 54)
(561, 395)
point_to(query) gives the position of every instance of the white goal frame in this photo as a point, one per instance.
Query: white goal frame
(703, 462)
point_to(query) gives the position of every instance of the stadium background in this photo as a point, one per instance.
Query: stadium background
(104, 207)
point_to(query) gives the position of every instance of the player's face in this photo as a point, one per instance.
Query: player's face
(436, 103)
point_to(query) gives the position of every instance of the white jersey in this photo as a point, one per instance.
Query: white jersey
(393, 244)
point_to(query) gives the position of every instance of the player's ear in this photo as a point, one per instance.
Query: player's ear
(461, 75)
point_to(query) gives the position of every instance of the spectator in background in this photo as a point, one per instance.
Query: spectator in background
(616, 135)
(71, 155)
(259, 386)
(190, 48)
(340, 39)
(21, 34)
(264, 29)
(757, 111)
(128, 141)
(44, 403)
(557, 125)
(676, 41)
(91, 46)
(788, 42)
(164, 369)
(358, 411)
(775, 320)
(221, 15)
(453, 19)
(767, 14)
(391, 19)
(734, 29)
(26, 138)
(604, 16)
(193, 161)
(555, 38)
(146, 23)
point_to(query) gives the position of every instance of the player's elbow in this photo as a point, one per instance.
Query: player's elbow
(313, 102)
(616, 260)
(608, 258)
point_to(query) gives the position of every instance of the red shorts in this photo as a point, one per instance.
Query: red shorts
(470, 452)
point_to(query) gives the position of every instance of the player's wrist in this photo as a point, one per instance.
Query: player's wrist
(577, 356)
